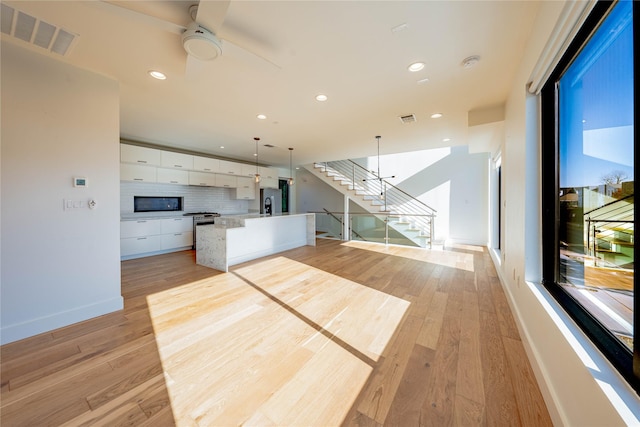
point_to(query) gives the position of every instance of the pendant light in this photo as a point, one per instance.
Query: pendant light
(290, 167)
(257, 175)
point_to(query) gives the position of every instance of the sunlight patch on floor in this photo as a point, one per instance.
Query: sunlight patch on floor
(274, 342)
(462, 261)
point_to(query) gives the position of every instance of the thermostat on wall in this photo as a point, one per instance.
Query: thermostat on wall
(80, 181)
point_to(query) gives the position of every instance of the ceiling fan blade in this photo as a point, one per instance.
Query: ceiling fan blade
(123, 9)
(248, 57)
(211, 14)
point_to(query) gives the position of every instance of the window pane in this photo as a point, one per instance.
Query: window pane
(596, 175)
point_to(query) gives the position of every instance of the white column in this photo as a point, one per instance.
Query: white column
(346, 235)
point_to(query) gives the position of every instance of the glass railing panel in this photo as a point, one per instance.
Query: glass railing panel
(329, 225)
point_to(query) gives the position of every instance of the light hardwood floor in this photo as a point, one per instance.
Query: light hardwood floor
(337, 334)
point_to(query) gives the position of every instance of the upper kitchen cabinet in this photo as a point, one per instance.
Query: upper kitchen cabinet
(172, 176)
(227, 181)
(268, 177)
(249, 170)
(139, 173)
(206, 164)
(230, 168)
(202, 179)
(140, 155)
(169, 159)
(246, 188)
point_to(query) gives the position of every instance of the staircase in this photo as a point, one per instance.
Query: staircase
(405, 214)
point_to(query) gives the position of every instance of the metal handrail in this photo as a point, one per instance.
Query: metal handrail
(340, 221)
(386, 216)
(387, 195)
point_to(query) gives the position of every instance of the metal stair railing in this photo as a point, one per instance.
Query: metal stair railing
(389, 197)
(609, 223)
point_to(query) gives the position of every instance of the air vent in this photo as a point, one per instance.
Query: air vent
(411, 118)
(36, 32)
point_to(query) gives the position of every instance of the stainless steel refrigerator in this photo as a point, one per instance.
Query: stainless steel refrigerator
(270, 201)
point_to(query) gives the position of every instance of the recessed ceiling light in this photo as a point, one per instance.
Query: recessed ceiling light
(416, 66)
(446, 140)
(422, 81)
(400, 27)
(436, 115)
(321, 98)
(261, 116)
(470, 61)
(157, 75)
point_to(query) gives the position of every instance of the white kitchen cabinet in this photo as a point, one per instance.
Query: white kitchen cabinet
(139, 155)
(246, 189)
(140, 173)
(176, 240)
(172, 176)
(169, 159)
(147, 237)
(206, 164)
(140, 245)
(202, 178)
(249, 170)
(176, 225)
(227, 181)
(230, 168)
(268, 177)
(138, 228)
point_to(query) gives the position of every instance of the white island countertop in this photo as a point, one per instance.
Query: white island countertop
(235, 239)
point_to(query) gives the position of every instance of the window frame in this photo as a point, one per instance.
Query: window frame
(625, 361)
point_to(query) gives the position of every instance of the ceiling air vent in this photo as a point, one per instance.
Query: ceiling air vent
(411, 118)
(36, 32)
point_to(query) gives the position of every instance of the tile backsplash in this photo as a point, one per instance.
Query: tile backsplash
(196, 199)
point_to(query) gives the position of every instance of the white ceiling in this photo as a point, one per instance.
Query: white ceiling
(346, 50)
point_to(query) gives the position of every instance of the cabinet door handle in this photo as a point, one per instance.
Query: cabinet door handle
(138, 179)
(177, 166)
(178, 234)
(174, 182)
(140, 222)
(141, 161)
(207, 169)
(178, 219)
(142, 238)
(203, 183)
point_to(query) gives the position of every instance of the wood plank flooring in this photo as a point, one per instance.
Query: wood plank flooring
(348, 334)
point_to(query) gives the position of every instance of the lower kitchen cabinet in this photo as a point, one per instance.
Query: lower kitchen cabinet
(139, 245)
(176, 240)
(140, 238)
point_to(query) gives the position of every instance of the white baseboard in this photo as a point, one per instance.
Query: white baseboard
(37, 326)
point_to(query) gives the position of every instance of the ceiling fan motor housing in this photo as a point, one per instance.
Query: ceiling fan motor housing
(201, 43)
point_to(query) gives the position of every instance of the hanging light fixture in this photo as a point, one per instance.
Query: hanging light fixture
(257, 175)
(290, 168)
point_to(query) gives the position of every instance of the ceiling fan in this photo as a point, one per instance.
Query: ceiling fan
(199, 37)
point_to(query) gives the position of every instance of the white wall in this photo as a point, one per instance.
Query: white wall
(579, 386)
(451, 180)
(58, 267)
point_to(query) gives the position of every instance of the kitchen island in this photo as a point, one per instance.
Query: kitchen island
(236, 239)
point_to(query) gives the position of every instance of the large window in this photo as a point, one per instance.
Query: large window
(588, 182)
